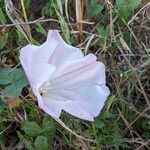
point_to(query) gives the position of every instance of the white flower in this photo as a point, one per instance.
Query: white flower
(63, 79)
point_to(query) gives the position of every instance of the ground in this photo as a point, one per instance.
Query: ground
(118, 33)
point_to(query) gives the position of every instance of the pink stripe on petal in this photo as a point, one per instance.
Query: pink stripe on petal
(93, 73)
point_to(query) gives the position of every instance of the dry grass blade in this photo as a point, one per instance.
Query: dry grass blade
(74, 133)
(88, 43)
(41, 20)
(79, 14)
(66, 9)
(59, 3)
(24, 11)
(140, 84)
(125, 46)
(146, 5)
(14, 17)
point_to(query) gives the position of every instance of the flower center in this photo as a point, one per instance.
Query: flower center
(42, 90)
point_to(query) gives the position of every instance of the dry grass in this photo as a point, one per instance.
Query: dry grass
(125, 50)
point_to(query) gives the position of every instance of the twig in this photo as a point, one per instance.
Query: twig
(41, 21)
(138, 13)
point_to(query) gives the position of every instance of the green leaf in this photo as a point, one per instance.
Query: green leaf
(26, 3)
(14, 79)
(125, 7)
(41, 143)
(95, 9)
(2, 139)
(111, 100)
(3, 36)
(98, 123)
(103, 32)
(25, 142)
(106, 115)
(47, 9)
(31, 128)
(40, 29)
(63, 24)
(2, 105)
(48, 122)
(3, 40)
(48, 128)
(2, 17)
(9, 75)
(5, 78)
